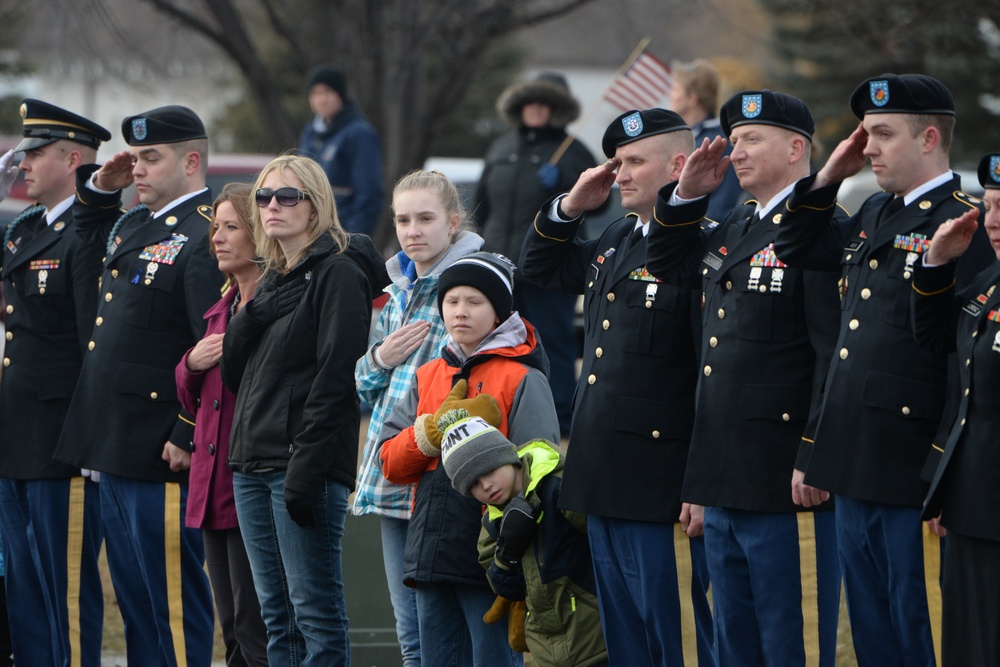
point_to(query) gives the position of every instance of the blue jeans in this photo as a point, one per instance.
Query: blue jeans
(452, 631)
(404, 602)
(297, 571)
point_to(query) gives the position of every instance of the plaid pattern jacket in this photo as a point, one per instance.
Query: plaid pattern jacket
(380, 389)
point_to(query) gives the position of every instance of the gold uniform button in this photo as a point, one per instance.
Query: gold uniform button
(866, 293)
(708, 371)
(785, 417)
(963, 422)
(6, 361)
(655, 434)
(114, 273)
(599, 352)
(854, 324)
(966, 391)
(713, 341)
(41, 290)
(153, 395)
(873, 264)
(843, 353)
(108, 296)
(590, 284)
(704, 272)
(611, 296)
(100, 321)
(591, 379)
(10, 309)
(906, 274)
(848, 257)
(968, 362)
(606, 324)
(10, 335)
(722, 313)
(91, 345)
(649, 304)
(729, 284)
(975, 333)
(905, 410)
(762, 288)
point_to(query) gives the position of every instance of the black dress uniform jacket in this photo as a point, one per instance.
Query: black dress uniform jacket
(50, 280)
(634, 406)
(768, 332)
(967, 483)
(159, 280)
(885, 395)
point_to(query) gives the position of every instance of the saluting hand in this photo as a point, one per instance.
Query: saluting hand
(590, 190)
(206, 353)
(846, 160)
(704, 170)
(116, 173)
(8, 173)
(952, 238)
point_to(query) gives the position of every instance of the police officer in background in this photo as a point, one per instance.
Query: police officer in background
(768, 333)
(885, 395)
(634, 405)
(125, 421)
(49, 513)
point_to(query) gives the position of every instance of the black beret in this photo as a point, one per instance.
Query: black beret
(328, 76)
(635, 125)
(163, 125)
(44, 123)
(989, 171)
(904, 93)
(765, 107)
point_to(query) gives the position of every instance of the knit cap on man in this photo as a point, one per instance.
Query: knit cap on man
(471, 448)
(490, 273)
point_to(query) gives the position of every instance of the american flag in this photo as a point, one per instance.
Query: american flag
(643, 85)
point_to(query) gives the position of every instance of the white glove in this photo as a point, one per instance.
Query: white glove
(8, 174)
(94, 475)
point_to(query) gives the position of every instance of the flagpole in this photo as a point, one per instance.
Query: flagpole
(636, 52)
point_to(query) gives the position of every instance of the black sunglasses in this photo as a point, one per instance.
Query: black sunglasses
(285, 196)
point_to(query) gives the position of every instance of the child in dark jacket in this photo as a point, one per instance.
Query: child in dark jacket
(531, 549)
(490, 350)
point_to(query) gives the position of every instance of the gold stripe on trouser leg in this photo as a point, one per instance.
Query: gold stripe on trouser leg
(809, 578)
(685, 581)
(172, 554)
(932, 581)
(74, 563)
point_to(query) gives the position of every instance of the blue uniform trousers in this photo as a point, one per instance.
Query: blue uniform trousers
(890, 592)
(775, 587)
(52, 539)
(652, 581)
(157, 568)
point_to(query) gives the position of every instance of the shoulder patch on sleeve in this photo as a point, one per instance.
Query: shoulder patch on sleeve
(967, 199)
(206, 212)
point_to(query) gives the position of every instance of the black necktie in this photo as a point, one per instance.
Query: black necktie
(634, 239)
(754, 219)
(890, 209)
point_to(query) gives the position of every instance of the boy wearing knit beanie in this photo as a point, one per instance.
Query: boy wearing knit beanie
(532, 550)
(490, 353)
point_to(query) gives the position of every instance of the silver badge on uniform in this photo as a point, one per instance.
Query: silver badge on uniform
(754, 278)
(996, 342)
(151, 269)
(43, 277)
(777, 278)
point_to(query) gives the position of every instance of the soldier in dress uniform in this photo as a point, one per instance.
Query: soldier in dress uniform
(768, 331)
(884, 395)
(125, 421)
(49, 513)
(965, 492)
(634, 405)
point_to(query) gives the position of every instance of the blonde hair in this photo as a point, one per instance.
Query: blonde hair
(316, 185)
(436, 182)
(701, 78)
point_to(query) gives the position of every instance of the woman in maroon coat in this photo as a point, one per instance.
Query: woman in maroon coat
(199, 387)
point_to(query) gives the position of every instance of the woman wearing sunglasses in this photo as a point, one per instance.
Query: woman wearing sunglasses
(289, 355)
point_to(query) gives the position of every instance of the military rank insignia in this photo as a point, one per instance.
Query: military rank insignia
(766, 257)
(164, 252)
